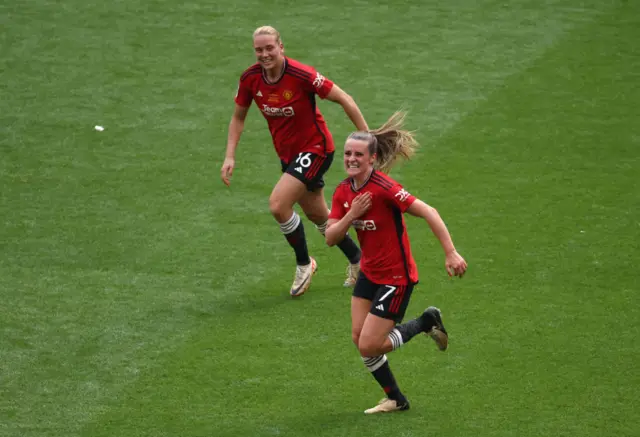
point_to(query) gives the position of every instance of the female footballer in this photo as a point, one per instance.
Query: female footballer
(374, 204)
(284, 90)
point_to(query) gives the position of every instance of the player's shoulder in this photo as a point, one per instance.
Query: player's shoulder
(254, 70)
(299, 70)
(382, 180)
(343, 185)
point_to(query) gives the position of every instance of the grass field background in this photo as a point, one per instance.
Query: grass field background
(141, 297)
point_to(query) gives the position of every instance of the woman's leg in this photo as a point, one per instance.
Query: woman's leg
(380, 335)
(287, 192)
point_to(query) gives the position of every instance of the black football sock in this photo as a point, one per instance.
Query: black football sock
(350, 249)
(293, 231)
(405, 332)
(379, 368)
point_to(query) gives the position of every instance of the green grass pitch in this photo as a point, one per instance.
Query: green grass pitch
(141, 297)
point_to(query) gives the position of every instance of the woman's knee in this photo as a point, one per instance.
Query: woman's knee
(318, 219)
(315, 208)
(280, 209)
(355, 337)
(369, 346)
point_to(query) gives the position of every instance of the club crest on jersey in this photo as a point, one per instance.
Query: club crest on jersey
(364, 225)
(288, 94)
(287, 111)
(318, 81)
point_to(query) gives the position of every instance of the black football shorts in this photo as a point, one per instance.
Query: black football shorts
(309, 168)
(387, 301)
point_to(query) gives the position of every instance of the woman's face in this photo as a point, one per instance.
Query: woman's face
(269, 52)
(357, 159)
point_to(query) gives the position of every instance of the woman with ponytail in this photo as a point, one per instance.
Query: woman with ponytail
(373, 203)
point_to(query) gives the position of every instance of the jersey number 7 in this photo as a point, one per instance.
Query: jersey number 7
(391, 290)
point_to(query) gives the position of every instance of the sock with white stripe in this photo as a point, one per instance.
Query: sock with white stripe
(347, 245)
(405, 332)
(322, 228)
(379, 368)
(293, 231)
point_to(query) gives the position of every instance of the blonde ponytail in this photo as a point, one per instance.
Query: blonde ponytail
(389, 142)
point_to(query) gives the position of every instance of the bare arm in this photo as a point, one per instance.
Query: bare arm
(236, 126)
(454, 263)
(337, 95)
(337, 229)
(439, 229)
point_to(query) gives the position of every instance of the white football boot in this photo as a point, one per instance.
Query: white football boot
(387, 405)
(302, 280)
(353, 270)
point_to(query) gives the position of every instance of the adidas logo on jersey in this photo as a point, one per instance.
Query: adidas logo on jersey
(259, 94)
(299, 169)
(380, 307)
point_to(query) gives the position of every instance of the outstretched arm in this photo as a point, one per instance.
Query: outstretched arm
(454, 263)
(337, 95)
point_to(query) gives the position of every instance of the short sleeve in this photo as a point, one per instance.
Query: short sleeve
(399, 197)
(244, 96)
(320, 84)
(337, 207)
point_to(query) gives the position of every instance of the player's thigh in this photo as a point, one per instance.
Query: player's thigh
(388, 305)
(314, 206)
(286, 193)
(363, 294)
(359, 312)
(375, 331)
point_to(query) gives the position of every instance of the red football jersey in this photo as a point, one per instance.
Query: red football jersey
(386, 252)
(289, 106)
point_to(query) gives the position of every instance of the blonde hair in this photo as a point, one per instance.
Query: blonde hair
(268, 30)
(389, 142)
